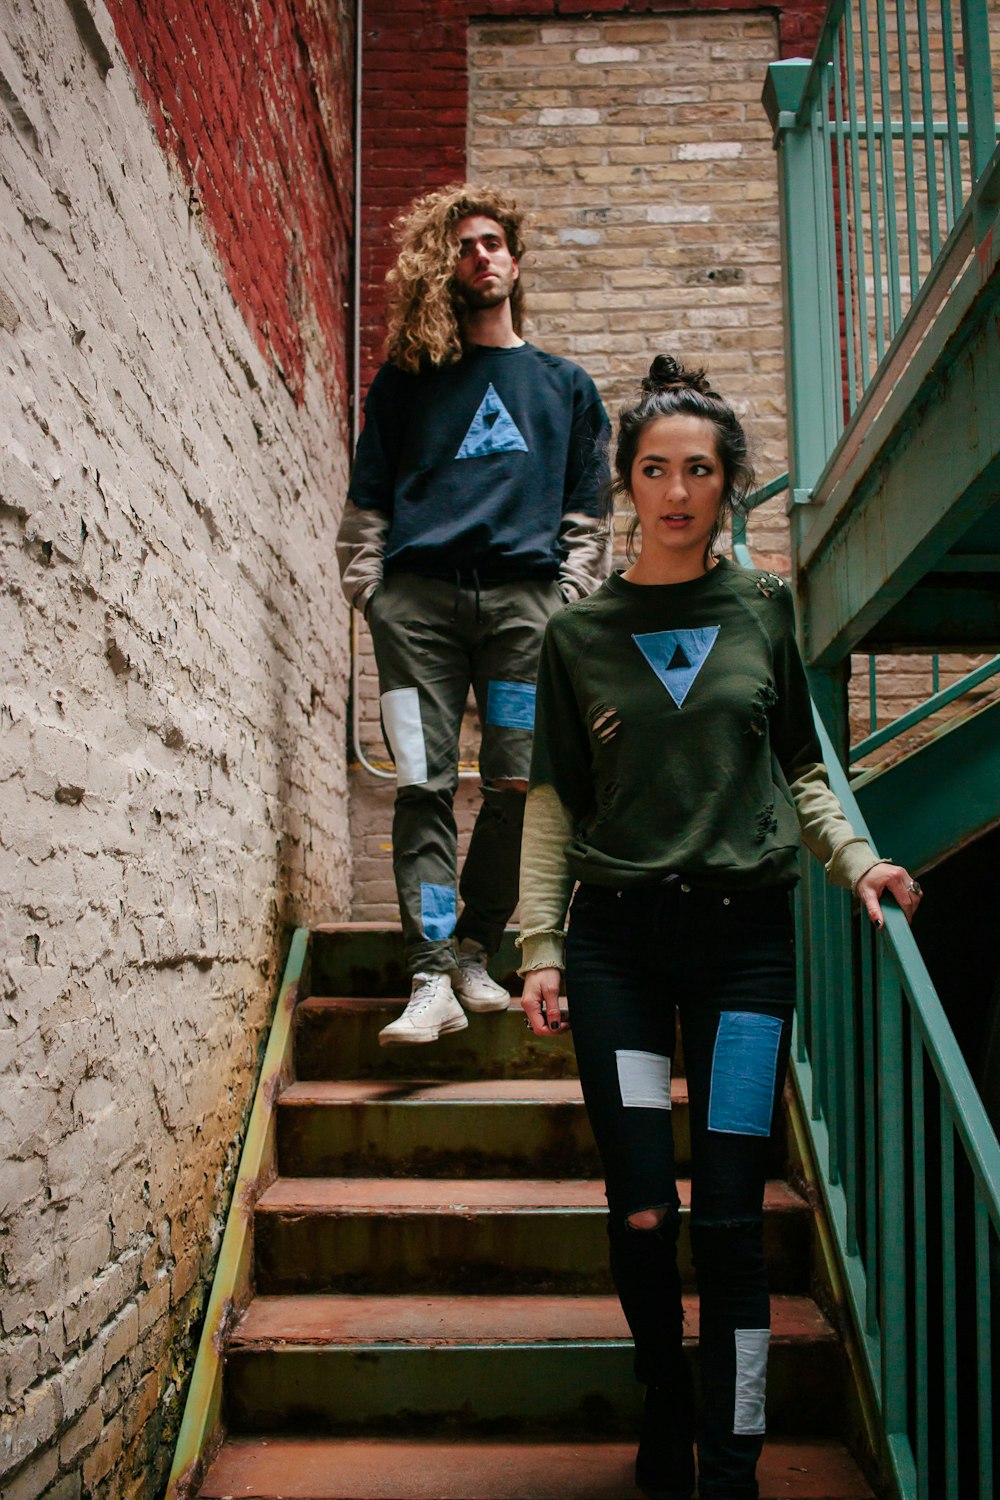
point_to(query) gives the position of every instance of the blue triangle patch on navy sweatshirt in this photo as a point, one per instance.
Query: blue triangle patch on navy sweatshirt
(677, 656)
(492, 430)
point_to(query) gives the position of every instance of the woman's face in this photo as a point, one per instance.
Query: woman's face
(677, 485)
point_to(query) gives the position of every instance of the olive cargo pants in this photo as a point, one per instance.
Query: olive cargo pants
(434, 639)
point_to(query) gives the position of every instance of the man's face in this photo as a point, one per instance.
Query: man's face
(485, 270)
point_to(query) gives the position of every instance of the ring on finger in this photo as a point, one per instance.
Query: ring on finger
(914, 888)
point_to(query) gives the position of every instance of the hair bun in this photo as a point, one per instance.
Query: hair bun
(667, 374)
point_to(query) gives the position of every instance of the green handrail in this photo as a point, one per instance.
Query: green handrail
(201, 1429)
(911, 1173)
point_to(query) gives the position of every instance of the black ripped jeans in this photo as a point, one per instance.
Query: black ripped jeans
(723, 961)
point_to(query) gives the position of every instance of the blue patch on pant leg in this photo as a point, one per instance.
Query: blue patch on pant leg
(437, 910)
(744, 1064)
(511, 705)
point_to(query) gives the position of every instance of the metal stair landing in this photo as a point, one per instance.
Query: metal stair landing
(432, 1314)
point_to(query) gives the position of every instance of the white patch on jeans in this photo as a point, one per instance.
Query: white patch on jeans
(405, 731)
(644, 1079)
(751, 1379)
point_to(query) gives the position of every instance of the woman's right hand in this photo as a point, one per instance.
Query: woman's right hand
(540, 1002)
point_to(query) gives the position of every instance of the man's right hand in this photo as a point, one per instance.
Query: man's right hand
(540, 1002)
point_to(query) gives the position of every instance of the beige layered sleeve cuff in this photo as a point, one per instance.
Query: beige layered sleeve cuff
(360, 549)
(545, 881)
(586, 543)
(826, 832)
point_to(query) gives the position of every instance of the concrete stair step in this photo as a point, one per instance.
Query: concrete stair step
(354, 1234)
(479, 1127)
(538, 1363)
(448, 1128)
(338, 1038)
(435, 1320)
(268, 1467)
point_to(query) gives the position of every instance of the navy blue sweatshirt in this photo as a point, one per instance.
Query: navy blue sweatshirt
(478, 463)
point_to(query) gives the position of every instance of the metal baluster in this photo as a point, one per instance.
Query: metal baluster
(930, 158)
(949, 1284)
(892, 1242)
(849, 1102)
(888, 175)
(869, 1043)
(833, 962)
(845, 243)
(913, 258)
(857, 232)
(820, 999)
(952, 144)
(873, 693)
(834, 283)
(918, 1130)
(830, 377)
(876, 248)
(984, 1348)
(950, 210)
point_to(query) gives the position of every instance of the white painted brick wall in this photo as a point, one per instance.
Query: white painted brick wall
(172, 753)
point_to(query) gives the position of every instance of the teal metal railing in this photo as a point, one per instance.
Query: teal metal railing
(911, 1173)
(889, 179)
(883, 137)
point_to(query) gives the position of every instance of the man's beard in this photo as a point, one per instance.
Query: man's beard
(478, 299)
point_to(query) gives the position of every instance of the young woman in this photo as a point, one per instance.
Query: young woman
(675, 772)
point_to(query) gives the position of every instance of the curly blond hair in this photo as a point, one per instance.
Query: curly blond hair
(422, 314)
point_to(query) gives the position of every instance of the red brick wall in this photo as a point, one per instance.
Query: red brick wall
(254, 104)
(415, 98)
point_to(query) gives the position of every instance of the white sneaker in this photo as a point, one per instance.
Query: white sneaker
(431, 1011)
(472, 984)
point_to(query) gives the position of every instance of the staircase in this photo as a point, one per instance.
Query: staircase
(431, 1312)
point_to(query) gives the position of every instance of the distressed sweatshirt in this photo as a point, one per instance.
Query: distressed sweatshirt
(495, 466)
(674, 735)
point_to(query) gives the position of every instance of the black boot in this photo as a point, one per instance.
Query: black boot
(664, 1464)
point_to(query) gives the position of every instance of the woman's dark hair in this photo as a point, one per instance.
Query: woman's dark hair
(670, 390)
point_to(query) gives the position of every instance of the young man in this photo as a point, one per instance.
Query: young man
(474, 510)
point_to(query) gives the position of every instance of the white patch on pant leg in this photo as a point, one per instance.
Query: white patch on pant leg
(405, 731)
(751, 1380)
(644, 1079)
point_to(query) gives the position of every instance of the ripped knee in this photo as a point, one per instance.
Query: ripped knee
(647, 1218)
(518, 784)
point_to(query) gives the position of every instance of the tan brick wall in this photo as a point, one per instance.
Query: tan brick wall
(640, 148)
(172, 766)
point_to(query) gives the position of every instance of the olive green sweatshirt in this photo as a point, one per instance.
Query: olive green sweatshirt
(674, 734)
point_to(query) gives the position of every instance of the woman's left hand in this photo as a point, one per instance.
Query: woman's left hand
(892, 879)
